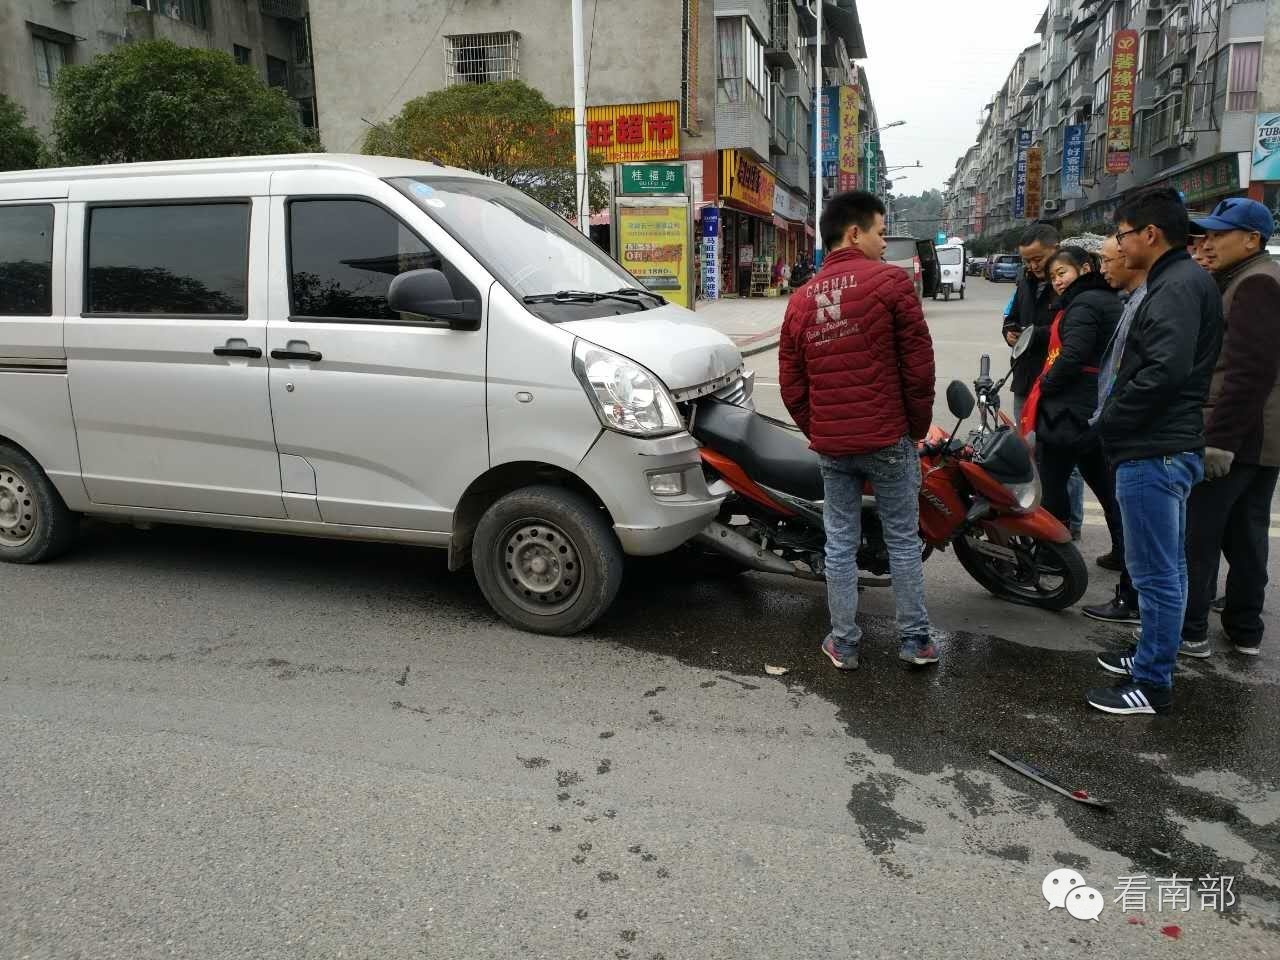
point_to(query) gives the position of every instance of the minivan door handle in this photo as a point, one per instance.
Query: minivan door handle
(314, 356)
(238, 348)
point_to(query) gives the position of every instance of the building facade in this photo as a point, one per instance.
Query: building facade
(737, 77)
(1120, 95)
(39, 37)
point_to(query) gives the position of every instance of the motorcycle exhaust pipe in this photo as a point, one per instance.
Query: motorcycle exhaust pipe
(725, 540)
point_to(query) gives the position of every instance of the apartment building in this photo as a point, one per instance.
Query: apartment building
(735, 77)
(1125, 94)
(39, 37)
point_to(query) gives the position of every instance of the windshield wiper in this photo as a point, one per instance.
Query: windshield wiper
(641, 291)
(584, 296)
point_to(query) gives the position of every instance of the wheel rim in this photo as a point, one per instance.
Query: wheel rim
(19, 510)
(1036, 575)
(539, 567)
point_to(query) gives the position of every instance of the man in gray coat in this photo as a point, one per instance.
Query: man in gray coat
(1231, 510)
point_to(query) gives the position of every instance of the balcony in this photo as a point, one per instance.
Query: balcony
(784, 29)
(793, 167)
(284, 9)
(1083, 34)
(1081, 92)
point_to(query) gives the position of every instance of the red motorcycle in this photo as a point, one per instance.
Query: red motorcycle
(980, 496)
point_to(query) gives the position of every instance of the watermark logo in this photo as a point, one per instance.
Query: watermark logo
(1067, 889)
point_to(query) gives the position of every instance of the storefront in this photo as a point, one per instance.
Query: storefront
(749, 237)
(1201, 185)
(790, 218)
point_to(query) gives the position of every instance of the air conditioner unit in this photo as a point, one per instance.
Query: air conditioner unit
(1187, 138)
(1176, 76)
(1051, 206)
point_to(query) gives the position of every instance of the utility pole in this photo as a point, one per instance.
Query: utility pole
(580, 120)
(817, 165)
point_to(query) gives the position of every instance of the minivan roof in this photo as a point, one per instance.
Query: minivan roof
(55, 179)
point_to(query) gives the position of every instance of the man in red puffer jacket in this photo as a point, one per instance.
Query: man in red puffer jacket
(857, 374)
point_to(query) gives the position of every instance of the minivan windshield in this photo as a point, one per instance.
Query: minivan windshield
(899, 248)
(530, 250)
(949, 256)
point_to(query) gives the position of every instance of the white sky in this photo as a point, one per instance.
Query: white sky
(935, 64)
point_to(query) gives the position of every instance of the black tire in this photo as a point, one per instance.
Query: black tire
(962, 293)
(946, 296)
(35, 524)
(581, 560)
(1016, 581)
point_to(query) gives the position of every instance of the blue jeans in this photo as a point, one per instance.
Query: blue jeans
(1153, 495)
(1075, 490)
(895, 472)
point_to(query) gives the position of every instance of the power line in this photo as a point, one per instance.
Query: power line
(586, 93)
(412, 70)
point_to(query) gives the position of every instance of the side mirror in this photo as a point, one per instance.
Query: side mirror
(1023, 342)
(428, 294)
(959, 399)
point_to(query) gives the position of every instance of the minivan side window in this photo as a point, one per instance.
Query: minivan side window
(172, 259)
(343, 255)
(26, 261)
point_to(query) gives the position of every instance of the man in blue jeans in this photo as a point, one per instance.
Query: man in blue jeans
(1152, 429)
(856, 369)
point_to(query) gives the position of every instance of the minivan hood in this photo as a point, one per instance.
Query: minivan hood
(669, 340)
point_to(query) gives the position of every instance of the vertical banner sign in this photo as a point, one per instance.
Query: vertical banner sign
(849, 146)
(1124, 78)
(1073, 161)
(710, 253)
(830, 128)
(1266, 147)
(654, 245)
(1020, 175)
(873, 173)
(1034, 172)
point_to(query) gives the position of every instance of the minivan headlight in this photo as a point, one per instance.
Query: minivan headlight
(627, 397)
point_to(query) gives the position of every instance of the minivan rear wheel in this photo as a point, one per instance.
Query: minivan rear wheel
(547, 560)
(35, 525)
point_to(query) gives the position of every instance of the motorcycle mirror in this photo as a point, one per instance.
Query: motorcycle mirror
(959, 399)
(1023, 342)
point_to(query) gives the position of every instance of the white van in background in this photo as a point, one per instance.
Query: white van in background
(350, 347)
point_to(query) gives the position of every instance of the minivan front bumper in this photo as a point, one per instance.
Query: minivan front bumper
(619, 467)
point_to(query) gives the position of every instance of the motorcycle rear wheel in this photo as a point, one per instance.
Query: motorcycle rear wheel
(1041, 573)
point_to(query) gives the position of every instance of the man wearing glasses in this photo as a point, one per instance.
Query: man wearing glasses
(1132, 287)
(1152, 429)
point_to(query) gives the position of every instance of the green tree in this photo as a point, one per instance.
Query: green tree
(155, 100)
(505, 130)
(20, 145)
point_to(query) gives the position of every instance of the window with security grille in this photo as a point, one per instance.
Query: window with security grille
(482, 57)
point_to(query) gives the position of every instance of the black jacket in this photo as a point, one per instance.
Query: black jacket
(1156, 406)
(1032, 307)
(1069, 395)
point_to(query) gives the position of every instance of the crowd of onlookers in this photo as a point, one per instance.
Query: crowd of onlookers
(1152, 371)
(1149, 370)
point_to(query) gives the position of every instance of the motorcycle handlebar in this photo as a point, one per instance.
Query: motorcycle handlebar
(984, 366)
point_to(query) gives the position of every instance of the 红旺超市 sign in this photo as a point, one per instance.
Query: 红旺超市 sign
(632, 131)
(642, 179)
(746, 182)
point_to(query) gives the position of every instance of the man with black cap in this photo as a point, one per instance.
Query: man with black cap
(1230, 512)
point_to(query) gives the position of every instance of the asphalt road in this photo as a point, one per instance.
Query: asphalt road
(229, 745)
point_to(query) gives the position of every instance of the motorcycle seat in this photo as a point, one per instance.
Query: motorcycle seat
(773, 454)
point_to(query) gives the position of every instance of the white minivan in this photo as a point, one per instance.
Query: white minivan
(351, 347)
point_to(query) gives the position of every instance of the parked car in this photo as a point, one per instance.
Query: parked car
(918, 258)
(976, 266)
(1005, 267)
(346, 347)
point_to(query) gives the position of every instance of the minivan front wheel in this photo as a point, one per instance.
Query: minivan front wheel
(35, 524)
(547, 560)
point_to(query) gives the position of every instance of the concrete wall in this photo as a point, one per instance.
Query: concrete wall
(1269, 85)
(103, 24)
(371, 60)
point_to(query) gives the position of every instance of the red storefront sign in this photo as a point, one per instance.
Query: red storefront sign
(1124, 80)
